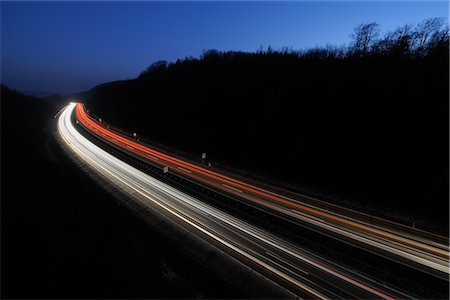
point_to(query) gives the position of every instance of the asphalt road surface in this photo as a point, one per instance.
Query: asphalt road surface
(422, 250)
(302, 272)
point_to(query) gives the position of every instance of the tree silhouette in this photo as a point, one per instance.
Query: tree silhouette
(364, 36)
(426, 31)
(159, 67)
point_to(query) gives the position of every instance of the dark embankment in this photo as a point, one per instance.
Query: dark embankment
(366, 125)
(63, 236)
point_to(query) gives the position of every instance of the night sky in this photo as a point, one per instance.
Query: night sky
(72, 46)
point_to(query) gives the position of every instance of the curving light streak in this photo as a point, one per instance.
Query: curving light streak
(256, 245)
(414, 248)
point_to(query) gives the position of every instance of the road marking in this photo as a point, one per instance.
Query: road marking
(152, 157)
(233, 188)
(185, 170)
(307, 216)
(286, 262)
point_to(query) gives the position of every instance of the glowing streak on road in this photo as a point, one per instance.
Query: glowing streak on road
(185, 207)
(416, 249)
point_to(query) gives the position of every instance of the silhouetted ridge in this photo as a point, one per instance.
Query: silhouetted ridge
(365, 124)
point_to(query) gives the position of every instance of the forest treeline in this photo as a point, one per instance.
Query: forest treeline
(365, 124)
(429, 38)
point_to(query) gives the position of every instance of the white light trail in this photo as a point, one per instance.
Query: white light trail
(210, 221)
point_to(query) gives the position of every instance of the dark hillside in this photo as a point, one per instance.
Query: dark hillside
(63, 236)
(366, 125)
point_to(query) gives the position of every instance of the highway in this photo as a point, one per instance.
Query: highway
(421, 250)
(304, 273)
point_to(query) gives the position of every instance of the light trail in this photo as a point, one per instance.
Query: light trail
(388, 241)
(289, 263)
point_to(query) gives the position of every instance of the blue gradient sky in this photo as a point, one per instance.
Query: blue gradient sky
(73, 46)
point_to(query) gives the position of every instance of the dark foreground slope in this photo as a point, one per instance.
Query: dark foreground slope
(63, 236)
(367, 128)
